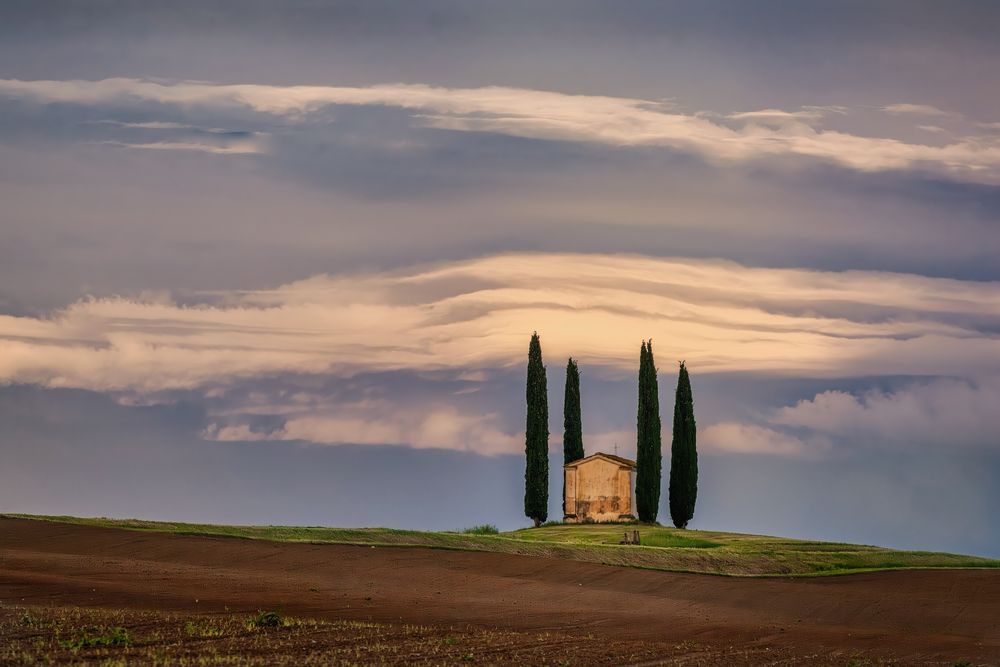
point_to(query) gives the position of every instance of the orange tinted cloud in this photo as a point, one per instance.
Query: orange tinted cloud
(477, 314)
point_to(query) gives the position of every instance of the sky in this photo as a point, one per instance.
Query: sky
(280, 262)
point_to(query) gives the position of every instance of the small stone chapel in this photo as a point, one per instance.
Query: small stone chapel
(599, 489)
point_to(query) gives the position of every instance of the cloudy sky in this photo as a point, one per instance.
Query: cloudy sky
(268, 263)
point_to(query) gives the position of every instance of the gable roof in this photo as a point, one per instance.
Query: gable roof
(610, 457)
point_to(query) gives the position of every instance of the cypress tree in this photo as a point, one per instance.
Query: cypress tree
(572, 423)
(536, 438)
(683, 454)
(649, 457)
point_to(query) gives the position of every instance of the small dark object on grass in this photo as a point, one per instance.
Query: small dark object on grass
(631, 539)
(266, 619)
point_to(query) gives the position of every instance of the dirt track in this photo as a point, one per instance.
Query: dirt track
(934, 617)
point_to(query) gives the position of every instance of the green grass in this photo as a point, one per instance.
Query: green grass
(95, 637)
(591, 534)
(662, 548)
(203, 630)
(484, 529)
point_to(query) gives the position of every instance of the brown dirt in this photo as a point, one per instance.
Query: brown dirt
(47, 635)
(903, 617)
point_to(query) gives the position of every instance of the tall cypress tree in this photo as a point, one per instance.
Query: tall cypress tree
(649, 457)
(572, 423)
(683, 454)
(536, 438)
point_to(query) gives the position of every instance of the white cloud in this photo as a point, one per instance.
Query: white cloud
(553, 116)
(946, 412)
(941, 413)
(779, 115)
(442, 427)
(477, 314)
(740, 438)
(917, 110)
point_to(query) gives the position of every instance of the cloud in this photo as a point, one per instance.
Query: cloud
(185, 137)
(778, 115)
(231, 148)
(917, 110)
(442, 428)
(385, 409)
(360, 413)
(552, 116)
(472, 315)
(741, 438)
(162, 125)
(946, 412)
(939, 414)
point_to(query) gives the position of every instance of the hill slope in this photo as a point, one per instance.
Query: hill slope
(914, 617)
(662, 549)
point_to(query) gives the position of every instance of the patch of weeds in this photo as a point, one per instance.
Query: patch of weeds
(23, 658)
(962, 663)
(859, 662)
(313, 589)
(468, 657)
(450, 641)
(96, 637)
(203, 630)
(30, 621)
(484, 529)
(266, 619)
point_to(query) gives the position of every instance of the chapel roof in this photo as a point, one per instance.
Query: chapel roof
(612, 457)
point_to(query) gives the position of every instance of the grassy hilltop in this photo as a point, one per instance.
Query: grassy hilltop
(662, 548)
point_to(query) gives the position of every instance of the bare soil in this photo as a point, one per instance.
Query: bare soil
(570, 612)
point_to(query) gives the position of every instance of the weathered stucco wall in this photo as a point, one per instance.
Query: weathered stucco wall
(598, 490)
